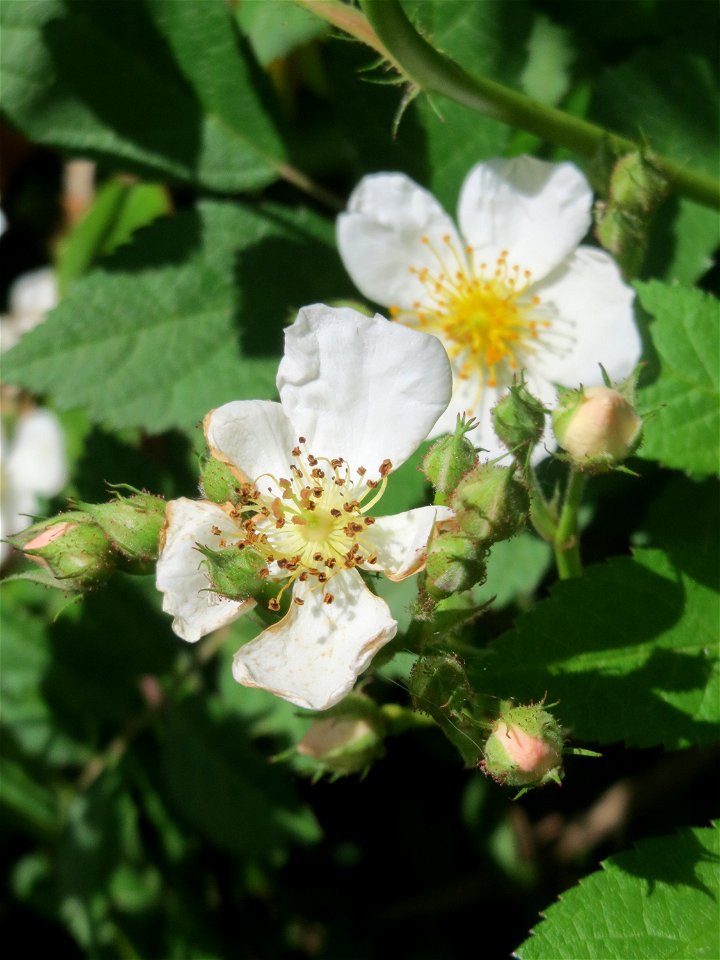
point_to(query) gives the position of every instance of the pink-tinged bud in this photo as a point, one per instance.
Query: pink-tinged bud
(597, 427)
(45, 537)
(345, 740)
(76, 553)
(525, 748)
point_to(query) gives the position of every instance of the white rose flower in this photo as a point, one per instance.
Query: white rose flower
(32, 465)
(510, 291)
(358, 395)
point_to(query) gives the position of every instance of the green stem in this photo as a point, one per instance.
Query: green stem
(543, 515)
(567, 541)
(433, 72)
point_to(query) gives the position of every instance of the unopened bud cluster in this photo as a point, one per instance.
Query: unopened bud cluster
(525, 747)
(636, 189)
(81, 548)
(489, 504)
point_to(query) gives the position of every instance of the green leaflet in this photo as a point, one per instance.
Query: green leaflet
(188, 317)
(654, 902)
(629, 650)
(682, 403)
(154, 105)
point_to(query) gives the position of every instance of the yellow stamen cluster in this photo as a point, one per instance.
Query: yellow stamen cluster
(310, 525)
(485, 315)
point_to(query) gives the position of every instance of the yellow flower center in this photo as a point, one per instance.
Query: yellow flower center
(486, 316)
(310, 525)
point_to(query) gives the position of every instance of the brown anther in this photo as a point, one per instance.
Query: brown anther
(296, 470)
(215, 531)
(298, 521)
(317, 557)
(385, 468)
(296, 451)
(317, 492)
(274, 604)
(368, 521)
(330, 562)
(361, 471)
(303, 576)
(339, 481)
(372, 484)
(322, 578)
(328, 598)
(279, 524)
(335, 512)
(372, 559)
(317, 473)
(302, 440)
(265, 512)
(336, 463)
(312, 460)
(264, 572)
(291, 567)
(222, 544)
(298, 600)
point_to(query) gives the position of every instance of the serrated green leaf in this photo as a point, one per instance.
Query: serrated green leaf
(150, 338)
(629, 650)
(173, 91)
(117, 211)
(656, 902)
(683, 238)
(683, 430)
(225, 788)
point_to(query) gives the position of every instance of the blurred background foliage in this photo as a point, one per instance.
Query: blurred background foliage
(143, 813)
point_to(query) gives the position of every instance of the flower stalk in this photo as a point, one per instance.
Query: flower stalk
(566, 543)
(433, 72)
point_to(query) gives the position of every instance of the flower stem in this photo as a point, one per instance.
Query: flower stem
(433, 72)
(567, 543)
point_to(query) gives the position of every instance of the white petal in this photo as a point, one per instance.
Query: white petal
(537, 211)
(595, 308)
(34, 293)
(254, 436)
(361, 388)
(401, 540)
(379, 237)
(36, 462)
(314, 655)
(182, 577)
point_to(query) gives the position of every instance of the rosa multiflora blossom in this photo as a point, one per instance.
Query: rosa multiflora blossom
(32, 465)
(509, 291)
(358, 395)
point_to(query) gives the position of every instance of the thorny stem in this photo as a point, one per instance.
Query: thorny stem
(567, 543)
(432, 72)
